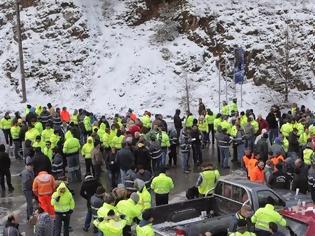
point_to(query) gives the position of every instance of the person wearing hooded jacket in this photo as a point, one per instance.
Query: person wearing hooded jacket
(11, 227)
(63, 203)
(145, 228)
(5, 125)
(86, 152)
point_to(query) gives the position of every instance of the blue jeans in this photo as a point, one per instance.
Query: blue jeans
(224, 156)
(29, 202)
(164, 154)
(74, 167)
(185, 160)
(240, 152)
(273, 133)
(156, 164)
(88, 218)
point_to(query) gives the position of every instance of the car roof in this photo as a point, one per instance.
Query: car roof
(244, 183)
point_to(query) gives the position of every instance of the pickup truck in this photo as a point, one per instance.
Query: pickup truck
(214, 213)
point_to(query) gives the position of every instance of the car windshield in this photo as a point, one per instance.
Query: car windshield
(297, 227)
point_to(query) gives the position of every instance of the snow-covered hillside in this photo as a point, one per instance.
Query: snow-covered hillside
(109, 55)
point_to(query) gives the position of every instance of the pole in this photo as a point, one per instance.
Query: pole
(242, 94)
(225, 76)
(219, 86)
(19, 37)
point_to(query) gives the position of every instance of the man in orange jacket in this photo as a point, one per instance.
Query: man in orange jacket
(65, 115)
(43, 187)
(257, 173)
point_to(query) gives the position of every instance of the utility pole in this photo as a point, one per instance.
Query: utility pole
(19, 37)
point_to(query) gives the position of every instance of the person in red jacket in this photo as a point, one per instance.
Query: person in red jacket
(262, 123)
(64, 115)
(43, 187)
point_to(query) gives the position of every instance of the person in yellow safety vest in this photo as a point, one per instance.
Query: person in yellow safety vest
(308, 154)
(63, 203)
(299, 126)
(39, 143)
(47, 150)
(286, 129)
(233, 130)
(39, 126)
(106, 139)
(210, 120)
(54, 139)
(217, 121)
(5, 125)
(74, 118)
(111, 225)
(112, 135)
(233, 107)
(243, 119)
(144, 195)
(311, 129)
(71, 148)
(101, 131)
(117, 141)
(109, 204)
(254, 124)
(207, 179)
(225, 124)
(145, 228)
(204, 129)
(27, 109)
(130, 209)
(86, 152)
(87, 124)
(161, 186)
(285, 144)
(146, 120)
(242, 229)
(304, 137)
(264, 215)
(31, 134)
(47, 132)
(164, 141)
(225, 109)
(189, 120)
(15, 134)
(38, 110)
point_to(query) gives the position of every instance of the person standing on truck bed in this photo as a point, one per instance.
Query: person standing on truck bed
(161, 186)
(264, 215)
(207, 179)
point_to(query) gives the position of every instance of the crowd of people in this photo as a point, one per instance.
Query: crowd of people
(137, 152)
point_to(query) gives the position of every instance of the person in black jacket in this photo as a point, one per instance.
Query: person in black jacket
(45, 117)
(273, 126)
(88, 189)
(125, 160)
(294, 145)
(11, 227)
(41, 162)
(142, 156)
(196, 145)
(279, 179)
(262, 147)
(300, 177)
(5, 173)
(178, 122)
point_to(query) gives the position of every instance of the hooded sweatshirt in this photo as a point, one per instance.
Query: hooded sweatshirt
(62, 202)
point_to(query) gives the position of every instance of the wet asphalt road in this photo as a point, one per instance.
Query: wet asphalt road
(16, 202)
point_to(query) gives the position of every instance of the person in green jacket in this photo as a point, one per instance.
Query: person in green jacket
(47, 150)
(264, 215)
(5, 125)
(207, 179)
(39, 143)
(242, 229)
(161, 186)
(130, 209)
(86, 152)
(210, 120)
(225, 109)
(87, 124)
(111, 225)
(63, 203)
(233, 107)
(164, 141)
(145, 228)
(144, 195)
(189, 121)
(47, 132)
(15, 134)
(71, 149)
(31, 134)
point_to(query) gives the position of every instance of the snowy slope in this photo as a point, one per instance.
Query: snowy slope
(87, 54)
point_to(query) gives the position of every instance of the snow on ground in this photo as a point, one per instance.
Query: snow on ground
(120, 66)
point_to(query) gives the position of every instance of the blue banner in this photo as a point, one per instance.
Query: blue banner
(239, 65)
